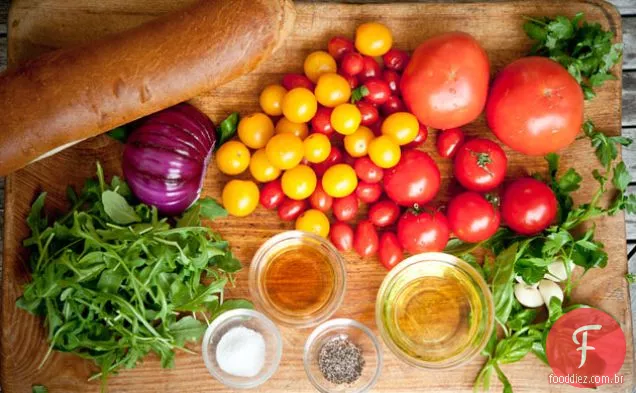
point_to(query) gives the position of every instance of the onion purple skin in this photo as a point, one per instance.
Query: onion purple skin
(166, 157)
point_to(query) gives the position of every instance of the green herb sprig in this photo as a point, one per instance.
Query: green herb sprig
(529, 257)
(585, 49)
(114, 281)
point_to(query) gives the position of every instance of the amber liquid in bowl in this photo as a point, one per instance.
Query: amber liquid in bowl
(299, 280)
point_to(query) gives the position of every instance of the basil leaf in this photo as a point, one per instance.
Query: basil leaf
(227, 129)
(211, 209)
(39, 389)
(502, 282)
(118, 208)
(512, 349)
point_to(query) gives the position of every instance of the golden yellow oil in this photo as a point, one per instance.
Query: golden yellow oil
(433, 312)
(299, 280)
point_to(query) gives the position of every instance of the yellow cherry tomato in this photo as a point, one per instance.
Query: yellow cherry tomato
(271, 99)
(299, 182)
(284, 151)
(286, 126)
(261, 169)
(339, 180)
(345, 118)
(232, 158)
(357, 144)
(384, 152)
(332, 89)
(317, 147)
(402, 127)
(313, 221)
(240, 197)
(299, 105)
(373, 39)
(255, 130)
(318, 63)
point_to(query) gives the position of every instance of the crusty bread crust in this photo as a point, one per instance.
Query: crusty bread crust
(72, 94)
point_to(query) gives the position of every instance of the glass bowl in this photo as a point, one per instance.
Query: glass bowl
(343, 328)
(434, 311)
(321, 296)
(250, 319)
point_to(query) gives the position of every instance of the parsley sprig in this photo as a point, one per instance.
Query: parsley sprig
(584, 49)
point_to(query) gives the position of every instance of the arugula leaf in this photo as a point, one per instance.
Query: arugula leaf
(584, 49)
(111, 279)
(226, 130)
(118, 208)
(39, 389)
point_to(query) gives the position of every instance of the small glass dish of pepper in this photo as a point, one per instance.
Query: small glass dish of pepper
(342, 355)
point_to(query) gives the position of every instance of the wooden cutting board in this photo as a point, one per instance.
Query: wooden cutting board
(41, 25)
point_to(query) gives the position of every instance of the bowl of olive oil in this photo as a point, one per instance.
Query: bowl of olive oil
(435, 311)
(297, 278)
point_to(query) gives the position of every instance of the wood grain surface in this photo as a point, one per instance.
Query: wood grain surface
(40, 25)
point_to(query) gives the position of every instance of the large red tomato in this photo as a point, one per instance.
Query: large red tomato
(535, 106)
(446, 82)
(414, 180)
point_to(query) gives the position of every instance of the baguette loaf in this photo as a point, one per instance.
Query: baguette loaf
(65, 96)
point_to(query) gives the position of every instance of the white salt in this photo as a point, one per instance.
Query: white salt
(241, 352)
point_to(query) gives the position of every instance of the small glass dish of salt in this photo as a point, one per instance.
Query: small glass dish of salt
(242, 348)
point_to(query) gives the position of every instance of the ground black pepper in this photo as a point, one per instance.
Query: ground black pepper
(340, 361)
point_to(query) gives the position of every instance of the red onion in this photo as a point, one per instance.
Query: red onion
(166, 157)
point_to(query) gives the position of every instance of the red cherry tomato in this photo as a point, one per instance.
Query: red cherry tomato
(419, 140)
(414, 180)
(352, 80)
(535, 106)
(445, 83)
(449, 141)
(471, 217)
(335, 157)
(272, 194)
(338, 46)
(368, 113)
(392, 78)
(345, 209)
(378, 91)
(480, 164)
(341, 236)
(423, 231)
(367, 171)
(528, 206)
(365, 239)
(320, 200)
(368, 192)
(384, 213)
(290, 209)
(352, 63)
(395, 59)
(392, 105)
(390, 252)
(292, 81)
(370, 69)
(321, 122)
(376, 128)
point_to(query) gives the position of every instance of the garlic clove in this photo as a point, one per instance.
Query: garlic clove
(557, 271)
(549, 289)
(528, 295)
(521, 281)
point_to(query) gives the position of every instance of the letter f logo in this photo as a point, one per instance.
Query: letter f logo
(584, 347)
